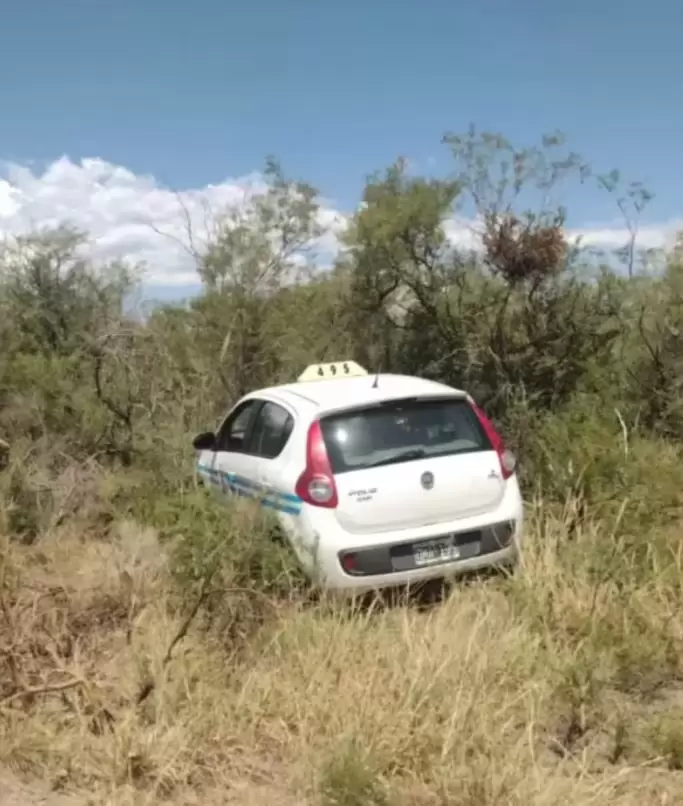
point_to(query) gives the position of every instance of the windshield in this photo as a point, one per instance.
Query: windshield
(401, 431)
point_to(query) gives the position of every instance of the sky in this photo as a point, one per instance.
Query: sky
(111, 109)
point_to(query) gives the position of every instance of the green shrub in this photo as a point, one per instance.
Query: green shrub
(231, 539)
(349, 779)
(584, 452)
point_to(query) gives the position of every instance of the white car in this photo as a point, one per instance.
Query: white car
(378, 480)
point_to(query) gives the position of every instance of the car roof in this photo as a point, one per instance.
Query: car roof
(341, 393)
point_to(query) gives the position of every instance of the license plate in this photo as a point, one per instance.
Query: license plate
(436, 551)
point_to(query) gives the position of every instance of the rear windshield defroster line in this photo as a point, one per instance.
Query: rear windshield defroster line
(399, 431)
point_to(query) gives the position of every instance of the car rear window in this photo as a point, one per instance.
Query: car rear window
(401, 431)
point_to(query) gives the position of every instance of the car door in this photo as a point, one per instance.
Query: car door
(234, 465)
(273, 427)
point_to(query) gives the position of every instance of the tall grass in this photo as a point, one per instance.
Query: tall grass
(560, 684)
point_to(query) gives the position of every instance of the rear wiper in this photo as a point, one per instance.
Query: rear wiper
(406, 456)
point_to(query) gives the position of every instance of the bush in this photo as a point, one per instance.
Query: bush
(584, 452)
(240, 543)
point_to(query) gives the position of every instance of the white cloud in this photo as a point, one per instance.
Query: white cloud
(124, 214)
(464, 233)
(650, 236)
(127, 215)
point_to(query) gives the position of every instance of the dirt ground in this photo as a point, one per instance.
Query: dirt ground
(14, 793)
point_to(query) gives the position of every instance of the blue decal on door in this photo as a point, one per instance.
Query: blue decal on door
(277, 500)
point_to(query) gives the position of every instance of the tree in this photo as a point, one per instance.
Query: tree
(264, 242)
(398, 257)
(56, 308)
(256, 250)
(52, 295)
(510, 321)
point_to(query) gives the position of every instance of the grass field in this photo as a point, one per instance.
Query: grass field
(561, 684)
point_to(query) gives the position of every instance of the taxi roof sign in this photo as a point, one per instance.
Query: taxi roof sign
(336, 369)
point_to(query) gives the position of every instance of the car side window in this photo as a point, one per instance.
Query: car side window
(234, 432)
(272, 430)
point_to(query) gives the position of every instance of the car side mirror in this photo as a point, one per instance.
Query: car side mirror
(205, 441)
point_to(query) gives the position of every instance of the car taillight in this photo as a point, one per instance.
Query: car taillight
(507, 460)
(316, 484)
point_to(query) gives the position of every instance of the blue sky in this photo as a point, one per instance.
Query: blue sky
(194, 92)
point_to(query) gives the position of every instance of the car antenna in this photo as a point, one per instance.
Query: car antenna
(375, 383)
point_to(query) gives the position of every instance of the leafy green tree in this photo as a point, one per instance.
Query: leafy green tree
(55, 308)
(52, 293)
(263, 242)
(398, 257)
(512, 321)
(257, 249)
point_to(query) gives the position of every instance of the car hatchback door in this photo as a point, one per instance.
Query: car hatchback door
(410, 463)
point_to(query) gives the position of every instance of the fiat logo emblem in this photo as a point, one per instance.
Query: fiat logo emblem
(427, 480)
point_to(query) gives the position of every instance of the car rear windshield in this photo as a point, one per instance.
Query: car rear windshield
(401, 431)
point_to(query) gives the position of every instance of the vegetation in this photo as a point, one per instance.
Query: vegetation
(155, 646)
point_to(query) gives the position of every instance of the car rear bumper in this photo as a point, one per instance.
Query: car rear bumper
(342, 582)
(398, 558)
(392, 558)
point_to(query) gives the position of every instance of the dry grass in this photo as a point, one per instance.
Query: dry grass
(561, 685)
